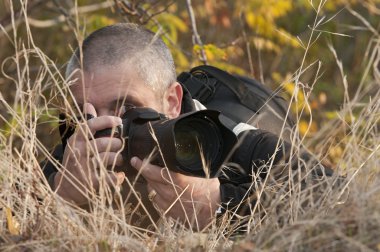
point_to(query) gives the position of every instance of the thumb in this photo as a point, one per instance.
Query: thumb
(89, 111)
(136, 163)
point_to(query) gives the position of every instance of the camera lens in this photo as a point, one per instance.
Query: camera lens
(197, 138)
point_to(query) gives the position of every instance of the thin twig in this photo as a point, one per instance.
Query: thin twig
(65, 15)
(196, 38)
(126, 10)
(143, 14)
(247, 44)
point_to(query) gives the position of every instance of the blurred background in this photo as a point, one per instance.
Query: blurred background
(319, 49)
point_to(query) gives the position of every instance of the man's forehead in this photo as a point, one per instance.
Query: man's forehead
(109, 86)
(103, 88)
(110, 75)
(106, 80)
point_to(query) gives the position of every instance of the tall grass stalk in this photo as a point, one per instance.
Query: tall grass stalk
(324, 216)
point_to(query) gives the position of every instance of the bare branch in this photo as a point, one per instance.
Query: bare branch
(127, 10)
(143, 14)
(247, 44)
(196, 38)
(65, 16)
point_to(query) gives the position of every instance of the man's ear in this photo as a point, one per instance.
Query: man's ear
(173, 100)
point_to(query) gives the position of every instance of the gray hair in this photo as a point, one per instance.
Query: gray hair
(125, 42)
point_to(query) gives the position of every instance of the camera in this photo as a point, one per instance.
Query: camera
(195, 143)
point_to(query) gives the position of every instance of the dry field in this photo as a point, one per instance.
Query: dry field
(327, 216)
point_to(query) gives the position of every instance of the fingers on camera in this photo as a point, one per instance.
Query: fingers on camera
(103, 122)
(111, 159)
(107, 144)
(85, 131)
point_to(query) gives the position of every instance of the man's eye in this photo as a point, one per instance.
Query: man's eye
(128, 106)
(124, 108)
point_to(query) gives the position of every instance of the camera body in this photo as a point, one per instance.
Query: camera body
(195, 143)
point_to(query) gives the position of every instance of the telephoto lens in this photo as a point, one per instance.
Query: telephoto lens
(194, 144)
(198, 142)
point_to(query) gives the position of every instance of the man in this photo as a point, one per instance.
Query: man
(125, 65)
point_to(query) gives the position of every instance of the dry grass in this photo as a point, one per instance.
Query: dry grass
(324, 217)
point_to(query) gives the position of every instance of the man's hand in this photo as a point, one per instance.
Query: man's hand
(82, 157)
(192, 200)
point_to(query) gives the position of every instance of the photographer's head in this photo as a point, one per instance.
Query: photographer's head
(124, 63)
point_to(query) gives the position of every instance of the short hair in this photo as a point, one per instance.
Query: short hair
(126, 42)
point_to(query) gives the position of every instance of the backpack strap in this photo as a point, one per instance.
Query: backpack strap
(199, 90)
(249, 99)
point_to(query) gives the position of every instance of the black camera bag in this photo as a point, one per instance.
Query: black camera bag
(240, 98)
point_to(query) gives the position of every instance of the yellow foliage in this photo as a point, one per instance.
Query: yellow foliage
(299, 103)
(277, 77)
(181, 61)
(331, 115)
(265, 44)
(333, 5)
(260, 24)
(287, 39)
(216, 52)
(230, 68)
(212, 52)
(279, 8)
(330, 5)
(95, 22)
(172, 24)
(234, 52)
(306, 128)
(270, 9)
(336, 152)
(261, 17)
